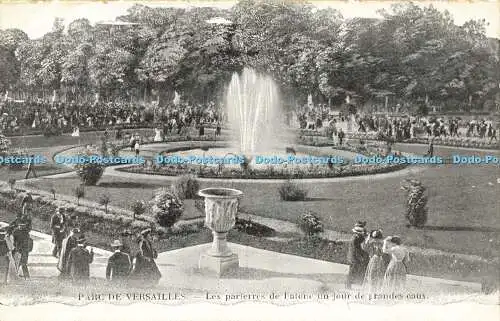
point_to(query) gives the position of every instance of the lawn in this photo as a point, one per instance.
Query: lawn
(122, 191)
(463, 205)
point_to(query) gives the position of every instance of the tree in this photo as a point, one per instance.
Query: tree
(109, 67)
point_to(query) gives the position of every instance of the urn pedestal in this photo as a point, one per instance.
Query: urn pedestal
(221, 207)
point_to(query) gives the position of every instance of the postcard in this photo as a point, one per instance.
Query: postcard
(249, 160)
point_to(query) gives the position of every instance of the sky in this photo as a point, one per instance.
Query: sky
(36, 18)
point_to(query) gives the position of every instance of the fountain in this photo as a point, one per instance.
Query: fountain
(253, 107)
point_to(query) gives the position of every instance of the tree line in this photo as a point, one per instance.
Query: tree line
(412, 53)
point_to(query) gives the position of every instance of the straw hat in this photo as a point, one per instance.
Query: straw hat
(116, 243)
(146, 232)
(376, 234)
(359, 228)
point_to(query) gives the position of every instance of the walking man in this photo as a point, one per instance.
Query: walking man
(430, 152)
(79, 261)
(23, 244)
(4, 257)
(119, 264)
(357, 257)
(31, 167)
(341, 136)
(58, 226)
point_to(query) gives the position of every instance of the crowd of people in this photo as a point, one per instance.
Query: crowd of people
(376, 263)
(73, 253)
(18, 116)
(398, 127)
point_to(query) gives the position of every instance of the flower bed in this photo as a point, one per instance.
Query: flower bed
(253, 228)
(88, 218)
(270, 172)
(274, 172)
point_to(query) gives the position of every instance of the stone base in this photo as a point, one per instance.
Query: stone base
(219, 264)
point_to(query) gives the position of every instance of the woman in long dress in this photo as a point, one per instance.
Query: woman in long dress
(375, 270)
(145, 269)
(158, 135)
(12, 258)
(395, 275)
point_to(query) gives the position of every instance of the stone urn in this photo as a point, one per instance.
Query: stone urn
(221, 206)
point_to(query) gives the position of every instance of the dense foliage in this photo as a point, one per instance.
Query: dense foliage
(416, 54)
(89, 172)
(310, 224)
(290, 191)
(166, 207)
(186, 187)
(416, 203)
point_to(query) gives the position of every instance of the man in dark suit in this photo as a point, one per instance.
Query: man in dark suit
(31, 167)
(79, 261)
(341, 136)
(356, 257)
(119, 264)
(23, 244)
(4, 257)
(58, 227)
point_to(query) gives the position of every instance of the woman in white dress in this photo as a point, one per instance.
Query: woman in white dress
(395, 275)
(158, 137)
(76, 132)
(13, 260)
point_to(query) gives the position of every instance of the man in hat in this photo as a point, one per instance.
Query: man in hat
(31, 167)
(356, 257)
(430, 150)
(4, 256)
(68, 244)
(119, 264)
(58, 227)
(79, 260)
(23, 244)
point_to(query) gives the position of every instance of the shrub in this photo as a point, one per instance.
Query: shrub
(245, 165)
(114, 149)
(290, 191)
(138, 208)
(166, 207)
(104, 201)
(416, 210)
(310, 224)
(89, 173)
(51, 131)
(186, 187)
(79, 193)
